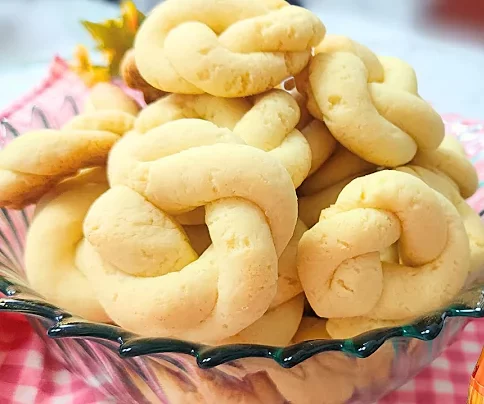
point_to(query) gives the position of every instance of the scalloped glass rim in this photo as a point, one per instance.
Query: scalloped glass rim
(20, 299)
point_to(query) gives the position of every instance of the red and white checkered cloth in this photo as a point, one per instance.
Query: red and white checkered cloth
(30, 375)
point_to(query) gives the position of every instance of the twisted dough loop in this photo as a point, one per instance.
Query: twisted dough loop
(392, 120)
(332, 165)
(267, 122)
(133, 79)
(279, 324)
(471, 219)
(277, 327)
(148, 277)
(227, 49)
(339, 258)
(51, 266)
(35, 162)
(337, 167)
(106, 96)
(450, 158)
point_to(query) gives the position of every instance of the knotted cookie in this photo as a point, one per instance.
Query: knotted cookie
(147, 276)
(52, 240)
(371, 105)
(267, 121)
(229, 49)
(332, 165)
(281, 321)
(339, 258)
(182, 220)
(35, 162)
(471, 219)
(451, 160)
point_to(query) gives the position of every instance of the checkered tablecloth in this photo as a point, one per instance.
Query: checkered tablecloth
(28, 373)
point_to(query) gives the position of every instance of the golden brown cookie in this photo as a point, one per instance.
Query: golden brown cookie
(133, 79)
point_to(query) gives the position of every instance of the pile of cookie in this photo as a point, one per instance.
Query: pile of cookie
(280, 185)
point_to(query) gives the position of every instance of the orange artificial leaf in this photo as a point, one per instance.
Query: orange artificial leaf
(89, 73)
(132, 17)
(115, 37)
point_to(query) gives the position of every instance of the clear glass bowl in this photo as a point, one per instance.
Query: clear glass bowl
(144, 370)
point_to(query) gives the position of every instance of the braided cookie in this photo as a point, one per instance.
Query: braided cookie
(52, 239)
(106, 96)
(229, 49)
(450, 158)
(278, 325)
(321, 189)
(310, 207)
(332, 166)
(35, 162)
(147, 275)
(290, 87)
(330, 162)
(472, 222)
(384, 122)
(339, 258)
(133, 79)
(349, 327)
(288, 285)
(267, 121)
(332, 44)
(321, 142)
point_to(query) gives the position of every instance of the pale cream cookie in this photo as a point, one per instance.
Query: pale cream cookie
(51, 245)
(148, 277)
(472, 222)
(267, 121)
(229, 49)
(107, 96)
(380, 118)
(332, 165)
(352, 326)
(35, 162)
(339, 260)
(450, 158)
(279, 324)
